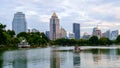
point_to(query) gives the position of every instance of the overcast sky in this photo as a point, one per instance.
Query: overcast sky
(89, 13)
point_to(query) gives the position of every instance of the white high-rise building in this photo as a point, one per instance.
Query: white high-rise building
(86, 35)
(63, 33)
(54, 27)
(107, 34)
(97, 32)
(71, 35)
(19, 23)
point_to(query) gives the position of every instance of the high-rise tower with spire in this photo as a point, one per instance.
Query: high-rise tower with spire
(54, 27)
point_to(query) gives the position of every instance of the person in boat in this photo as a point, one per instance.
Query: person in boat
(77, 48)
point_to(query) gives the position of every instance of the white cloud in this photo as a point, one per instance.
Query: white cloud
(44, 18)
(108, 9)
(30, 13)
(88, 13)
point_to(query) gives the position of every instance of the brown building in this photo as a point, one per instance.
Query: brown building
(54, 27)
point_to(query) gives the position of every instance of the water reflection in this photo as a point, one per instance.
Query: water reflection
(66, 59)
(15, 59)
(76, 60)
(97, 56)
(33, 58)
(47, 58)
(113, 54)
(20, 61)
(106, 58)
(54, 59)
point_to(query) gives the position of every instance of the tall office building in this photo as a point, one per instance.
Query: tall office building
(86, 36)
(71, 35)
(114, 34)
(54, 27)
(63, 33)
(97, 32)
(76, 30)
(19, 23)
(47, 33)
(107, 34)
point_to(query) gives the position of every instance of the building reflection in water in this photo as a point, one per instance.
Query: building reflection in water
(97, 56)
(76, 60)
(54, 59)
(66, 59)
(20, 61)
(15, 59)
(33, 58)
(113, 54)
(43, 58)
(105, 58)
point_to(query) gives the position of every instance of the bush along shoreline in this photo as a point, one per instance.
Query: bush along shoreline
(9, 40)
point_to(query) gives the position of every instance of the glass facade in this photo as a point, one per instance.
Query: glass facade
(19, 23)
(76, 30)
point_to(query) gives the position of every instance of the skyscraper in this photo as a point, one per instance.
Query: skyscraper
(114, 34)
(76, 30)
(19, 23)
(107, 34)
(63, 33)
(54, 27)
(86, 36)
(97, 32)
(47, 33)
(71, 35)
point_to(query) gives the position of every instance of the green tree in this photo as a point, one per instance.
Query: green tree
(72, 42)
(22, 34)
(2, 27)
(3, 38)
(11, 33)
(93, 40)
(34, 38)
(61, 41)
(15, 41)
(7, 39)
(118, 39)
(82, 42)
(45, 37)
(104, 41)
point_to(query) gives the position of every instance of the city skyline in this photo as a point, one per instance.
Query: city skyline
(88, 13)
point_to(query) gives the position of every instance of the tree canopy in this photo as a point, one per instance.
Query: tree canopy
(93, 40)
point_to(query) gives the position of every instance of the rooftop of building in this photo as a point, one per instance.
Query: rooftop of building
(54, 15)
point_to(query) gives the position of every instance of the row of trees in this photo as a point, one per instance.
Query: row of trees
(94, 40)
(34, 38)
(8, 38)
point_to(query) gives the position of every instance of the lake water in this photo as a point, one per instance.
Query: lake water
(47, 58)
